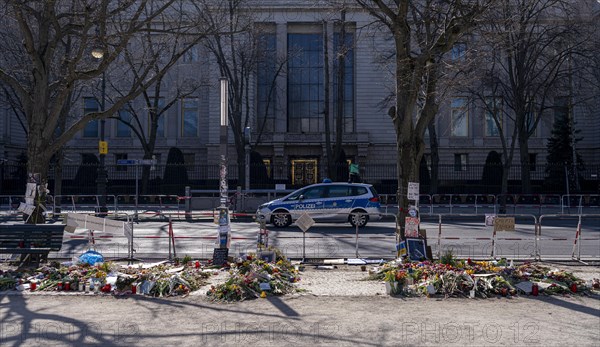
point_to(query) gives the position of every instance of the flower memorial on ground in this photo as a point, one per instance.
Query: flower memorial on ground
(251, 277)
(160, 279)
(460, 278)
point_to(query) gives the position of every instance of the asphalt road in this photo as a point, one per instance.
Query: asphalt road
(465, 236)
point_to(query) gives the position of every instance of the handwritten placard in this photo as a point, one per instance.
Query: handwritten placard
(220, 256)
(413, 191)
(504, 224)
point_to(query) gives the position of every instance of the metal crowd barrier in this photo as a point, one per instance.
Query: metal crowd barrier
(539, 242)
(488, 203)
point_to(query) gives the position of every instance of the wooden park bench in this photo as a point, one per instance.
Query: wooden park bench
(32, 241)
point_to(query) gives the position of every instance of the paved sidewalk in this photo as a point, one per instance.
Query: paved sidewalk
(298, 320)
(338, 308)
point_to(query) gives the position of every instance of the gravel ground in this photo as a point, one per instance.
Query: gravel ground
(337, 308)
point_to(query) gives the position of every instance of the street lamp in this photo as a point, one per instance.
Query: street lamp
(102, 178)
(224, 227)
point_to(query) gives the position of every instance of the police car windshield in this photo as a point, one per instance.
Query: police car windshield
(307, 193)
(294, 196)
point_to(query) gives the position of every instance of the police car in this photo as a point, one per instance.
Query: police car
(324, 202)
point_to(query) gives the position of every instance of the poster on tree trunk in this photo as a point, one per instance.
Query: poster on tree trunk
(411, 227)
(30, 193)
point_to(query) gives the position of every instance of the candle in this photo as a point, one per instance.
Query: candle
(534, 289)
(133, 289)
(32, 286)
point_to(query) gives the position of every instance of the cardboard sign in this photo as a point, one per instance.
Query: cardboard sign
(268, 256)
(504, 224)
(26, 208)
(411, 227)
(84, 221)
(416, 249)
(220, 256)
(413, 190)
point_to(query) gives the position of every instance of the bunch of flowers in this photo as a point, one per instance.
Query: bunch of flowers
(250, 277)
(460, 278)
(165, 279)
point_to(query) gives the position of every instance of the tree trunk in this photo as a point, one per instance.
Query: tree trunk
(504, 188)
(408, 171)
(435, 158)
(525, 172)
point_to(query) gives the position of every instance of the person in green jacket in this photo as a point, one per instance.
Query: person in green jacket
(354, 173)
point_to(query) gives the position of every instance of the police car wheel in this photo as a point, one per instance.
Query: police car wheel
(358, 219)
(281, 219)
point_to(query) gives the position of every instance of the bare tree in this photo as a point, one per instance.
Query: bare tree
(524, 63)
(156, 100)
(440, 24)
(43, 72)
(238, 51)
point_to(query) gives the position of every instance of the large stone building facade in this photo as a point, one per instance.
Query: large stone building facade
(291, 111)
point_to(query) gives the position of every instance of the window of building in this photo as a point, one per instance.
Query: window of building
(345, 48)
(267, 163)
(305, 82)
(266, 75)
(493, 112)
(189, 117)
(532, 161)
(460, 117)
(460, 161)
(120, 156)
(192, 55)
(123, 130)
(459, 51)
(91, 105)
(532, 128)
(160, 120)
(561, 108)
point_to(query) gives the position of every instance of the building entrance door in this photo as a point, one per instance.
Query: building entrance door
(304, 171)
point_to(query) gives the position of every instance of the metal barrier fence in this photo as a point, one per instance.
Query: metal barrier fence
(172, 178)
(513, 203)
(534, 241)
(534, 238)
(480, 241)
(529, 241)
(537, 204)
